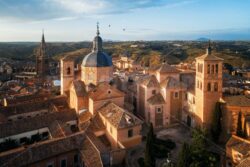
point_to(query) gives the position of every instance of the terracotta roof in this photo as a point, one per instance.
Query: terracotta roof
(156, 99)
(90, 154)
(34, 123)
(166, 68)
(150, 81)
(105, 91)
(209, 57)
(118, 117)
(43, 150)
(239, 100)
(171, 82)
(244, 163)
(79, 88)
(96, 124)
(239, 144)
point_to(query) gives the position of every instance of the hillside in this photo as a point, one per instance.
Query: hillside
(147, 53)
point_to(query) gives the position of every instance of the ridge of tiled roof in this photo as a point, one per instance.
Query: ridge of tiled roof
(34, 123)
(238, 100)
(239, 144)
(156, 99)
(244, 163)
(166, 68)
(118, 116)
(102, 92)
(150, 81)
(171, 82)
(43, 150)
(80, 88)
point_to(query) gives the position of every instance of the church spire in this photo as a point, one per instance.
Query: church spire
(97, 29)
(97, 43)
(43, 39)
(209, 49)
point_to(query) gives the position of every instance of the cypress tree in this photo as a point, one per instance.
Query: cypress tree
(184, 156)
(149, 160)
(245, 129)
(239, 131)
(216, 122)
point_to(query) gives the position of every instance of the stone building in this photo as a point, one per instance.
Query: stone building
(42, 59)
(99, 103)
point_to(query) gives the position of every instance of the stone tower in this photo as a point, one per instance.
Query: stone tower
(67, 73)
(42, 59)
(97, 66)
(208, 86)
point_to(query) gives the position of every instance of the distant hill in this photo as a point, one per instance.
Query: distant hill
(147, 53)
(202, 39)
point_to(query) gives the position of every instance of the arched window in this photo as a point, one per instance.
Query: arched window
(208, 68)
(212, 69)
(216, 68)
(209, 87)
(215, 86)
(68, 70)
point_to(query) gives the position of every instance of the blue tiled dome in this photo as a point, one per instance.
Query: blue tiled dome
(97, 58)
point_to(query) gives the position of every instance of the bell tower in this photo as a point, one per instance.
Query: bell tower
(42, 59)
(208, 86)
(67, 73)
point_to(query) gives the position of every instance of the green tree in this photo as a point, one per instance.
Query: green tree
(239, 131)
(149, 160)
(184, 156)
(216, 122)
(245, 129)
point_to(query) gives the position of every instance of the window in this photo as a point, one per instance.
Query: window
(68, 70)
(153, 92)
(76, 159)
(209, 87)
(216, 68)
(130, 133)
(200, 68)
(158, 110)
(215, 86)
(212, 69)
(208, 68)
(186, 96)
(63, 163)
(176, 95)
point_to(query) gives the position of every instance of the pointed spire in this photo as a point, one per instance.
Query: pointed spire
(97, 27)
(43, 39)
(209, 49)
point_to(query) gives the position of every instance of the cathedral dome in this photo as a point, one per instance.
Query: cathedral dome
(97, 58)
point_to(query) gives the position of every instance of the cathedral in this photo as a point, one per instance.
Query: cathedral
(42, 59)
(94, 98)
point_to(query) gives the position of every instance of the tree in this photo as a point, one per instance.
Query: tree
(184, 156)
(245, 129)
(239, 131)
(149, 160)
(216, 122)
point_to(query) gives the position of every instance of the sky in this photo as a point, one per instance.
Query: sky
(75, 20)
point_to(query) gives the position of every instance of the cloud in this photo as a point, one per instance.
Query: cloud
(39, 10)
